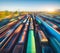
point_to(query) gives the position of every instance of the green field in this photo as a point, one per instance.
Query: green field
(5, 14)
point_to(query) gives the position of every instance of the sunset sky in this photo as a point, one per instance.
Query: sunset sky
(29, 5)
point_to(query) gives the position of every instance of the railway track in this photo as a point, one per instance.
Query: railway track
(30, 34)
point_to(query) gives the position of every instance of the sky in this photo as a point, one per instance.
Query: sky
(29, 5)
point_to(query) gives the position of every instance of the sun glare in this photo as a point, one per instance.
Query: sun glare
(50, 10)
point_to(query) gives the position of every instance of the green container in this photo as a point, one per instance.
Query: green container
(31, 42)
